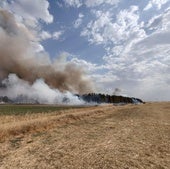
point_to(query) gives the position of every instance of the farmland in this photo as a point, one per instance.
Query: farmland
(130, 136)
(30, 109)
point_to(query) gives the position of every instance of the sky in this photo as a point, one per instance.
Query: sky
(122, 45)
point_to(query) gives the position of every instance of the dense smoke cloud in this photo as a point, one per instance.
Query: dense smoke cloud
(17, 56)
(20, 91)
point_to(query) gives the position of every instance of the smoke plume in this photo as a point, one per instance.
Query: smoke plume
(21, 91)
(18, 57)
(117, 91)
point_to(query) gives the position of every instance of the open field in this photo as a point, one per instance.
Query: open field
(21, 109)
(100, 137)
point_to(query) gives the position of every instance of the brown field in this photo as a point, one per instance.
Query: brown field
(100, 137)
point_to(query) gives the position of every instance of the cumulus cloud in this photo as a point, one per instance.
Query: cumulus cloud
(56, 35)
(78, 21)
(29, 16)
(137, 51)
(88, 66)
(89, 3)
(153, 87)
(104, 29)
(136, 44)
(73, 3)
(155, 3)
(30, 11)
(45, 35)
(94, 3)
(160, 22)
(105, 83)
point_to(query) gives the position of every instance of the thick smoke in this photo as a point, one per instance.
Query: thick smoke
(21, 91)
(18, 57)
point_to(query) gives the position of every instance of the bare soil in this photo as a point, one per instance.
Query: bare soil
(101, 137)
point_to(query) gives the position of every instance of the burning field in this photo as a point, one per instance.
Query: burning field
(28, 76)
(90, 136)
(25, 72)
(130, 136)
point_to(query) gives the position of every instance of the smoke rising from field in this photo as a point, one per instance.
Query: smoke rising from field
(21, 91)
(117, 91)
(18, 57)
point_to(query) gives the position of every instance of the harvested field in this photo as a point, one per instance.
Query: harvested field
(101, 137)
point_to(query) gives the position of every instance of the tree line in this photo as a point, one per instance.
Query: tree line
(105, 98)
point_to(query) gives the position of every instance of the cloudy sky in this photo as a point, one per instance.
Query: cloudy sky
(121, 44)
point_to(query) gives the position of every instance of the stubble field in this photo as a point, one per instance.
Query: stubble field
(98, 137)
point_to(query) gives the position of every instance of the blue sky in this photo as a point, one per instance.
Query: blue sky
(119, 43)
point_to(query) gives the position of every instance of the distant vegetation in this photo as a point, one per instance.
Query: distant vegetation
(102, 98)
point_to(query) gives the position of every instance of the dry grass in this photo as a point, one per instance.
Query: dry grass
(103, 137)
(12, 125)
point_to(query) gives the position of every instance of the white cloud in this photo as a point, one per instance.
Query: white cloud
(45, 35)
(160, 22)
(28, 15)
(137, 52)
(142, 59)
(78, 21)
(88, 66)
(105, 30)
(57, 35)
(93, 3)
(31, 11)
(73, 3)
(153, 87)
(105, 83)
(155, 3)
(89, 3)
(145, 66)
(95, 29)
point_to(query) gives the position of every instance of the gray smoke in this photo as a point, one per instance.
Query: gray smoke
(117, 91)
(18, 57)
